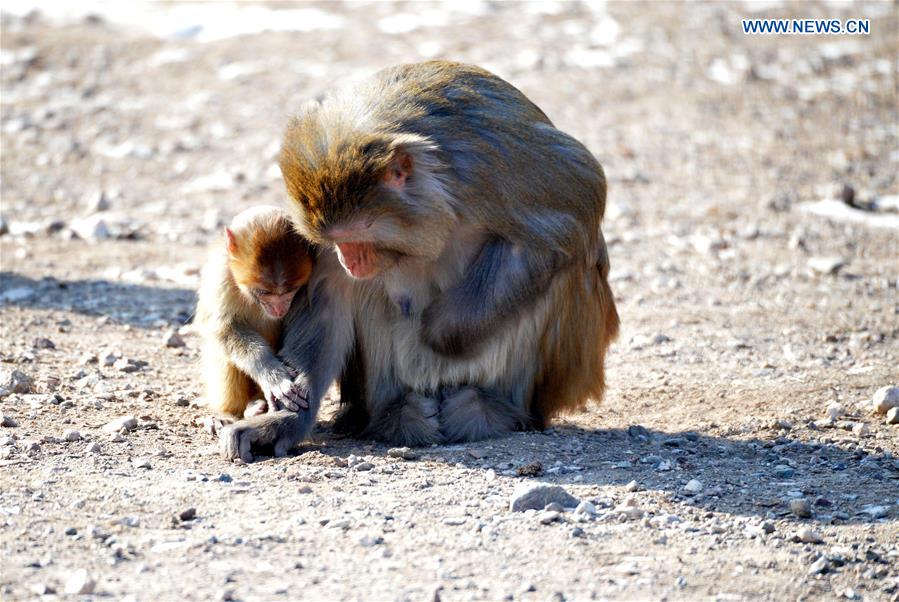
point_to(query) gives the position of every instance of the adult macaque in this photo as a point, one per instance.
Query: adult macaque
(463, 290)
(247, 287)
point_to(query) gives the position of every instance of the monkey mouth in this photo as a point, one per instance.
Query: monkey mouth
(361, 260)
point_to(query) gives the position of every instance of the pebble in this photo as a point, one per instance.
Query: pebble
(875, 512)
(818, 567)
(477, 454)
(343, 523)
(8, 421)
(80, 583)
(629, 512)
(87, 358)
(801, 508)
(835, 410)
(892, 416)
(768, 527)
(128, 365)
(861, 429)
(454, 522)
(783, 472)
(16, 381)
(71, 435)
(186, 515)
(884, 399)
(693, 486)
(94, 227)
(369, 541)
(806, 535)
(632, 487)
(402, 452)
(586, 508)
(826, 265)
(128, 423)
(93, 448)
(363, 466)
(171, 338)
(548, 516)
(43, 343)
(141, 463)
(537, 496)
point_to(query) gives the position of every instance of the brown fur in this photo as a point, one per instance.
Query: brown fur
(264, 252)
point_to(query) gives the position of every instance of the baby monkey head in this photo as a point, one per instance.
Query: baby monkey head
(269, 261)
(377, 199)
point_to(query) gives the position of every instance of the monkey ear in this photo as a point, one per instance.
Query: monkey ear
(399, 170)
(230, 241)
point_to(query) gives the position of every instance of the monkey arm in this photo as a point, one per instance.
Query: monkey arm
(249, 351)
(502, 281)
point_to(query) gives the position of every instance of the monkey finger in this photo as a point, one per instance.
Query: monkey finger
(301, 397)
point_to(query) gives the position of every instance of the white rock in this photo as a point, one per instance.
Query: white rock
(171, 338)
(71, 435)
(548, 516)
(16, 381)
(93, 448)
(806, 535)
(835, 410)
(884, 399)
(80, 583)
(893, 416)
(93, 227)
(14, 295)
(586, 508)
(826, 265)
(693, 486)
(129, 423)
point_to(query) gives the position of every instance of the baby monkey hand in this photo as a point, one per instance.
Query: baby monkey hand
(283, 392)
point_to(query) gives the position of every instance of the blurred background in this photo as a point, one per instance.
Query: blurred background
(752, 225)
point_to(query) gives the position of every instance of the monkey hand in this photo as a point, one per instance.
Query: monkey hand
(283, 393)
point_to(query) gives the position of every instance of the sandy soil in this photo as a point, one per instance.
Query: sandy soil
(747, 319)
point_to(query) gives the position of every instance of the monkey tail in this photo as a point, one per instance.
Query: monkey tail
(581, 324)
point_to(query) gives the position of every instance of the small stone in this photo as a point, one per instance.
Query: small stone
(363, 466)
(109, 358)
(835, 410)
(783, 472)
(826, 265)
(141, 463)
(576, 532)
(71, 531)
(768, 527)
(402, 452)
(80, 583)
(537, 496)
(16, 381)
(892, 416)
(884, 399)
(87, 358)
(548, 516)
(370, 541)
(8, 421)
(554, 507)
(116, 437)
(181, 402)
(127, 365)
(819, 567)
(43, 343)
(343, 523)
(629, 512)
(224, 478)
(186, 515)
(806, 535)
(128, 423)
(861, 429)
(93, 448)
(784, 425)
(532, 469)
(585, 508)
(453, 522)
(477, 454)
(171, 338)
(875, 511)
(801, 508)
(632, 487)
(693, 486)
(93, 227)
(71, 435)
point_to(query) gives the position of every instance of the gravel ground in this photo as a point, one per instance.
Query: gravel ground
(752, 227)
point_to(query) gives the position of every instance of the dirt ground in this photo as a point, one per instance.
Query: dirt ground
(735, 455)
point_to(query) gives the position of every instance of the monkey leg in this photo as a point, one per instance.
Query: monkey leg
(471, 414)
(228, 390)
(409, 420)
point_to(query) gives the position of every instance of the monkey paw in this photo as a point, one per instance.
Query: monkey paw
(444, 331)
(283, 393)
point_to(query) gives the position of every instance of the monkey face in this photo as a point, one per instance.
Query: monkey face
(376, 208)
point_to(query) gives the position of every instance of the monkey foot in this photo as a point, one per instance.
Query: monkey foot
(411, 420)
(470, 414)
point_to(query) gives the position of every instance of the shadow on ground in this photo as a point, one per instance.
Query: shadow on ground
(135, 304)
(749, 477)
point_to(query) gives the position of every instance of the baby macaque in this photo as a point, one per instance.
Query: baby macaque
(247, 287)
